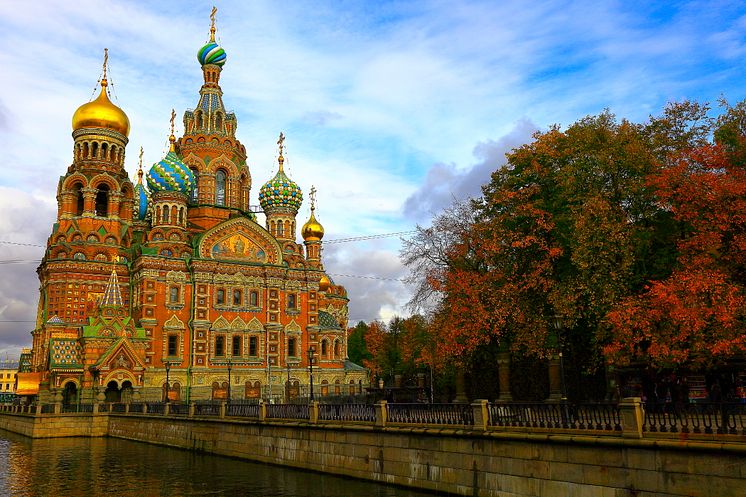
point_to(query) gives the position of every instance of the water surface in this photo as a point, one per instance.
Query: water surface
(112, 467)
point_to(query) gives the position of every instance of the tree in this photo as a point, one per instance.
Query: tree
(696, 315)
(357, 351)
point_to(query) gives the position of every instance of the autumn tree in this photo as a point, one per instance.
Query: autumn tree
(696, 315)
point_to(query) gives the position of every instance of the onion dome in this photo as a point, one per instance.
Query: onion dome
(280, 191)
(170, 174)
(211, 53)
(312, 231)
(324, 283)
(101, 113)
(140, 208)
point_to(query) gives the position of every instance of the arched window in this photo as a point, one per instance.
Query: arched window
(102, 200)
(254, 299)
(324, 348)
(291, 347)
(218, 122)
(336, 349)
(219, 346)
(220, 187)
(279, 228)
(166, 210)
(236, 346)
(77, 188)
(195, 194)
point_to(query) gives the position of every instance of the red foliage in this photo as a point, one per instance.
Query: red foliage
(697, 315)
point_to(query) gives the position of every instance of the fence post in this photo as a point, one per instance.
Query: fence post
(37, 409)
(144, 407)
(191, 410)
(313, 412)
(381, 413)
(632, 414)
(166, 409)
(127, 408)
(222, 410)
(481, 414)
(95, 408)
(262, 410)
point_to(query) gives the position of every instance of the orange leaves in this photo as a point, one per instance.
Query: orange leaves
(696, 315)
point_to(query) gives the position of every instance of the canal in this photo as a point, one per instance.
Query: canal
(68, 467)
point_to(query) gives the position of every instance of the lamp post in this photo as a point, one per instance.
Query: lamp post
(310, 369)
(229, 380)
(168, 383)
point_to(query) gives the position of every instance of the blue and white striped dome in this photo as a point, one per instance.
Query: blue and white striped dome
(170, 175)
(211, 53)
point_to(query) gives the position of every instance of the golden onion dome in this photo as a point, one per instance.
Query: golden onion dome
(312, 231)
(101, 113)
(324, 283)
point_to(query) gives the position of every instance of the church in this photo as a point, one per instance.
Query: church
(167, 288)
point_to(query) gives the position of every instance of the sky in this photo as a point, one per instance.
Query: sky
(392, 110)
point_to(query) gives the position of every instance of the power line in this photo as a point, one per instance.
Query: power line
(6, 242)
(369, 237)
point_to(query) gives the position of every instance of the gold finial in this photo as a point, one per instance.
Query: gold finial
(172, 138)
(280, 143)
(104, 82)
(212, 23)
(139, 170)
(312, 195)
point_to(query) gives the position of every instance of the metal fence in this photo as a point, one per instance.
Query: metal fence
(347, 412)
(562, 415)
(288, 411)
(431, 414)
(701, 418)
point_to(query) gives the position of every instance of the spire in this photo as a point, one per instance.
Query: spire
(172, 138)
(139, 169)
(104, 82)
(280, 143)
(212, 23)
(112, 293)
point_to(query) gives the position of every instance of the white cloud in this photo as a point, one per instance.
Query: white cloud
(383, 103)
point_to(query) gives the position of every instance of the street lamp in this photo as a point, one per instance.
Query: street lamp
(229, 380)
(168, 383)
(310, 369)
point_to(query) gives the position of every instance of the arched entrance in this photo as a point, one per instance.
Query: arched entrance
(70, 394)
(127, 392)
(112, 393)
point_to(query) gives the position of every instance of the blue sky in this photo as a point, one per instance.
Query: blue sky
(391, 109)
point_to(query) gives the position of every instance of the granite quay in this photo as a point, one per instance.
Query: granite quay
(482, 449)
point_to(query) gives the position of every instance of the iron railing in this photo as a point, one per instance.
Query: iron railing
(347, 412)
(431, 414)
(207, 408)
(155, 407)
(726, 418)
(177, 408)
(288, 411)
(243, 409)
(562, 415)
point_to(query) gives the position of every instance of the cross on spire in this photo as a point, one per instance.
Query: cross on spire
(212, 23)
(139, 170)
(312, 195)
(280, 143)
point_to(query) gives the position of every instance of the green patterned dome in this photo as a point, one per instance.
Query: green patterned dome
(280, 191)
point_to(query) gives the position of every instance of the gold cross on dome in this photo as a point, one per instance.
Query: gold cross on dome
(212, 23)
(173, 118)
(281, 141)
(312, 194)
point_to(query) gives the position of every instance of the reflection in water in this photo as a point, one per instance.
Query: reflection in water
(111, 467)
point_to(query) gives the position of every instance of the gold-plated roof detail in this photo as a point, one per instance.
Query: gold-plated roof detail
(312, 231)
(101, 112)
